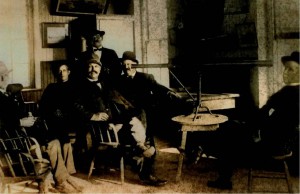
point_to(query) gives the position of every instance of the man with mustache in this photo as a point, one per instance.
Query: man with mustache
(111, 67)
(96, 102)
(144, 92)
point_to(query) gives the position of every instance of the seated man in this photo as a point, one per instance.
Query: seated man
(277, 121)
(160, 103)
(10, 117)
(55, 108)
(94, 103)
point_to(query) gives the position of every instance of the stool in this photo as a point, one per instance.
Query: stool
(255, 173)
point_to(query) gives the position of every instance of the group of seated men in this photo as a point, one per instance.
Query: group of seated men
(124, 104)
(123, 101)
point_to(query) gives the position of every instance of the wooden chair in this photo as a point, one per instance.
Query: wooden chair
(255, 173)
(105, 140)
(22, 153)
(14, 92)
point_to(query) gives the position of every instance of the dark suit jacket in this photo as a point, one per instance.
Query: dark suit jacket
(144, 93)
(9, 119)
(56, 107)
(91, 99)
(142, 90)
(278, 119)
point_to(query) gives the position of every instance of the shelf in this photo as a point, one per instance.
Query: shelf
(259, 63)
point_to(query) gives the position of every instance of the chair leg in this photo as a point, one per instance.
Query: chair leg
(122, 169)
(91, 167)
(287, 177)
(43, 186)
(9, 163)
(22, 165)
(282, 175)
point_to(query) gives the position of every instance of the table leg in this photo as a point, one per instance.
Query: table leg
(181, 155)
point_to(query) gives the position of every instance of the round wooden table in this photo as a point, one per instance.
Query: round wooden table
(200, 122)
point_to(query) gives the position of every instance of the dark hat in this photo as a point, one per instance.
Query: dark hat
(92, 33)
(14, 88)
(93, 58)
(129, 55)
(293, 57)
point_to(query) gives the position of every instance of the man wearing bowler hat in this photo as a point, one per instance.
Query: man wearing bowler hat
(143, 91)
(278, 125)
(111, 67)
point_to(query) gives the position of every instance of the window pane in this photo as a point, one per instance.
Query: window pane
(21, 73)
(14, 47)
(20, 51)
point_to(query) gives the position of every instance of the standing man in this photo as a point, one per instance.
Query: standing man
(95, 103)
(111, 67)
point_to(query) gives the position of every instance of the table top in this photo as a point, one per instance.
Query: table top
(202, 122)
(205, 96)
(201, 119)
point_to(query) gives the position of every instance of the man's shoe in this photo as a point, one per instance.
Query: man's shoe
(220, 184)
(66, 187)
(153, 181)
(75, 184)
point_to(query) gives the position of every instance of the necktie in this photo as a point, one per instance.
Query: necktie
(97, 49)
(130, 77)
(98, 84)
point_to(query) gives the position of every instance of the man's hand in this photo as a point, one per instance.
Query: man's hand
(149, 152)
(101, 116)
(27, 121)
(173, 95)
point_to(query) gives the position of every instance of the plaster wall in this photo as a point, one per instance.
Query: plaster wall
(272, 18)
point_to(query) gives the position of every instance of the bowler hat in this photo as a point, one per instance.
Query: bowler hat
(129, 55)
(293, 57)
(93, 58)
(3, 68)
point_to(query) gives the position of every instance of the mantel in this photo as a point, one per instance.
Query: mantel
(255, 63)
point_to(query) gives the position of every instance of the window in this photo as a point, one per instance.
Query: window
(16, 48)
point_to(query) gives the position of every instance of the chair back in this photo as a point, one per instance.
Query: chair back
(103, 135)
(105, 139)
(21, 150)
(14, 91)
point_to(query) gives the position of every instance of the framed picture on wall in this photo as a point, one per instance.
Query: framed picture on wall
(55, 35)
(79, 7)
(285, 24)
(246, 34)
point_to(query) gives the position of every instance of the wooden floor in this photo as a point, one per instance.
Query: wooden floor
(194, 179)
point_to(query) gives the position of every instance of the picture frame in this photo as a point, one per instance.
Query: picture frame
(79, 7)
(54, 35)
(286, 27)
(246, 34)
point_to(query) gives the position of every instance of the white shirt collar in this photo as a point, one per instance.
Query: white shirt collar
(97, 48)
(91, 80)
